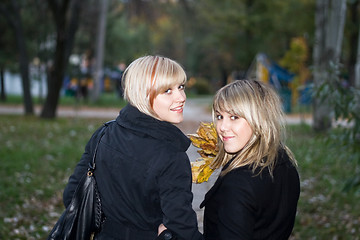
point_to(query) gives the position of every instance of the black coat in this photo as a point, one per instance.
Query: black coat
(144, 178)
(243, 206)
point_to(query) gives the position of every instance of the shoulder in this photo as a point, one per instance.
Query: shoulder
(245, 175)
(167, 155)
(284, 164)
(237, 188)
(240, 174)
(243, 182)
(238, 180)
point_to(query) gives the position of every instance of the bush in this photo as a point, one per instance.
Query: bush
(199, 86)
(345, 103)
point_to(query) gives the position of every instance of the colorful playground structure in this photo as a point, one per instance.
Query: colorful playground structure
(266, 70)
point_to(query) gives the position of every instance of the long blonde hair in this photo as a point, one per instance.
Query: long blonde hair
(261, 107)
(148, 76)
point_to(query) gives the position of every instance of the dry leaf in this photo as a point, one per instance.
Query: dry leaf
(205, 139)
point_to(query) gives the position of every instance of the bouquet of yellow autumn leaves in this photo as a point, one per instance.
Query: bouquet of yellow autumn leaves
(205, 139)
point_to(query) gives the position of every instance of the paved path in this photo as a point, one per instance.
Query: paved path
(196, 111)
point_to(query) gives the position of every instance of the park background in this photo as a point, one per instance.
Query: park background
(69, 55)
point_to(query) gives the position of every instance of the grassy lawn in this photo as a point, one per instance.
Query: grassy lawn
(37, 157)
(325, 211)
(106, 100)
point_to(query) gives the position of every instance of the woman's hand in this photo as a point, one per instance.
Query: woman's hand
(164, 233)
(161, 228)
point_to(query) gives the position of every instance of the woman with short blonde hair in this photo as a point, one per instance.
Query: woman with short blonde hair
(150, 75)
(142, 170)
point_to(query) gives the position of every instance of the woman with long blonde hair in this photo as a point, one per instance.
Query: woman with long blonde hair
(256, 193)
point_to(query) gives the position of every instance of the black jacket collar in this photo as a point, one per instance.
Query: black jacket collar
(131, 118)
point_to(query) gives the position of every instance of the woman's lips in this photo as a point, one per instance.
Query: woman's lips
(178, 109)
(227, 138)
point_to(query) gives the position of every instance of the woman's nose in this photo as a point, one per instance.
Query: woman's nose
(223, 125)
(180, 95)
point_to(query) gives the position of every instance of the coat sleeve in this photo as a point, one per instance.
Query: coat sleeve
(237, 210)
(176, 198)
(80, 169)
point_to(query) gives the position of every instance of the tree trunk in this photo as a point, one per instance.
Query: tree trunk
(99, 52)
(357, 65)
(64, 43)
(329, 31)
(224, 75)
(322, 112)
(24, 70)
(353, 40)
(2, 85)
(335, 30)
(14, 19)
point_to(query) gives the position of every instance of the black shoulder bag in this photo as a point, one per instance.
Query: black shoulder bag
(83, 217)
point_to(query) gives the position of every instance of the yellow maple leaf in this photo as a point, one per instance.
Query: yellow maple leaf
(201, 170)
(204, 174)
(205, 139)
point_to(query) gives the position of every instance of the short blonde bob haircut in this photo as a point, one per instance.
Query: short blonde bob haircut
(261, 107)
(148, 76)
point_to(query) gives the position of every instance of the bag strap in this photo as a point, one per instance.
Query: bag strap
(92, 165)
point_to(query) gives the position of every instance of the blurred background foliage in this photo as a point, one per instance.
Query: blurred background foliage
(211, 39)
(215, 41)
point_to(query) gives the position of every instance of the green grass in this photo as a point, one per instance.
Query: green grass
(325, 211)
(37, 156)
(106, 100)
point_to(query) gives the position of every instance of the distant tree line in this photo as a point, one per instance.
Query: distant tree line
(212, 39)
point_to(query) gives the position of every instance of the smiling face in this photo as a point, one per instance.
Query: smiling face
(234, 131)
(169, 105)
